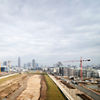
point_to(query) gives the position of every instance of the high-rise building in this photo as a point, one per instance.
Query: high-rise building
(19, 62)
(33, 63)
(5, 63)
(29, 65)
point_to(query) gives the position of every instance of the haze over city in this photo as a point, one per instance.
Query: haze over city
(49, 49)
(50, 30)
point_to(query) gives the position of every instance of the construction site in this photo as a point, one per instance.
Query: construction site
(52, 83)
(20, 87)
(25, 86)
(39, 86)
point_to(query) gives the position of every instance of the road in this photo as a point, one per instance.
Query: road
(8, 75)
(88, 92)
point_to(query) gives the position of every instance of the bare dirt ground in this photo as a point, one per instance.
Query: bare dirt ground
(8, 89)
(32, 91)
(43, 89)
(24, 87)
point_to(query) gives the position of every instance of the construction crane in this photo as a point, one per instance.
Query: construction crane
(81, 63)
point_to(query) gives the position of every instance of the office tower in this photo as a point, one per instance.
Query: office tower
(5, 63)
(29, 65)
(33, 63)
(9, 65)
(19, 62)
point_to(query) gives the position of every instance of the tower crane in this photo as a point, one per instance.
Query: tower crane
(81, 63)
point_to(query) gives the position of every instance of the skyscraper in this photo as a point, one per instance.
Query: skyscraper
(19, 62)
(9, 64)
(5, 63)
(33, 63)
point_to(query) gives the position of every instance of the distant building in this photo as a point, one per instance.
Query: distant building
(37, 65)
(19, 62)
(9, 65)
(64, 71)
(4, 68)
(98, 73)
(33, 63)
(59, 64)
(88, 73)
(29, 65)
(25, 65)
(5, 63)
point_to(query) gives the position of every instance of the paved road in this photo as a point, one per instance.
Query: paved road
(8, 75)
(88, 92)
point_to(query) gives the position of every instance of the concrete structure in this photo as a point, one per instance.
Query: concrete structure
(33, 63)
(88, 73)
(64, 71)
(90, 93)
(19, 62)
(4, 69)
(66, 94)
(5, 63)
(29, 65)
(98, 71)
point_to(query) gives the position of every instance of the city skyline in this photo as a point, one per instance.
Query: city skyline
(50, 49)
(50, 30)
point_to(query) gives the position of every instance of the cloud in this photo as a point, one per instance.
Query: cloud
(49, 30)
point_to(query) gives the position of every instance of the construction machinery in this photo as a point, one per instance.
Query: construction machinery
(81, 63)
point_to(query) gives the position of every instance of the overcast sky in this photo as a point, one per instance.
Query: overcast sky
(50, 30)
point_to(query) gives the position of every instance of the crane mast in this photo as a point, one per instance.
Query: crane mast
(81, 64)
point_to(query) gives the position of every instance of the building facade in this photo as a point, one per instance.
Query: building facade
(19, 62)
(33, 63)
